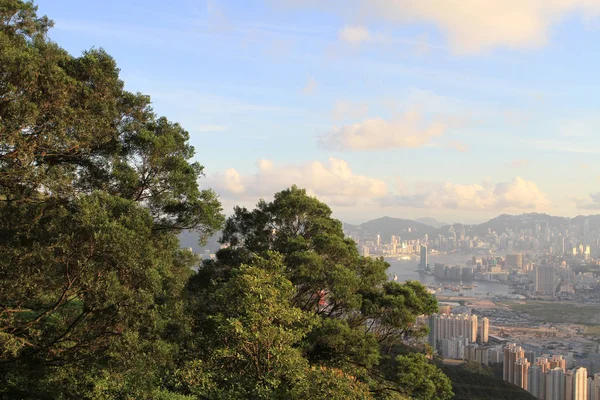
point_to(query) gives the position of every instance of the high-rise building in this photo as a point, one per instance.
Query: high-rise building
(514, 260)
(580, 386)
(365, 251)
(543, 363)
(485, 329)
(451, 326)
(433, 330)
(557, 361)
(544, 279)
(595, 392)
(482, 355)
(423, 259)
(555, 384)
(537, 382)
(569, 385)
(512, 353)
(520, 371)
(473, 329)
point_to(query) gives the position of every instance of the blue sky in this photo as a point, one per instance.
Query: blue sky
(378, 107)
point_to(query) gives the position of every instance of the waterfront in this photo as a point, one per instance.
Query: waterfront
(407, 270)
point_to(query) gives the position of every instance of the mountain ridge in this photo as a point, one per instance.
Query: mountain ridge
(387, 226)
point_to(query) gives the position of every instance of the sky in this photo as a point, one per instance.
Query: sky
(459, 110)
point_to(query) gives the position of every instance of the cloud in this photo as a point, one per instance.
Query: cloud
(519, 163)
(588, 203)
(354, 35)
(564, 146)
(311, 85)
(333, 182)
(519, 194)
(470, 26)
(411, 130)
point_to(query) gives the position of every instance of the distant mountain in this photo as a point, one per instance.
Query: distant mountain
(530, 220)
(431, 222)
(387, 226)
(415, 229)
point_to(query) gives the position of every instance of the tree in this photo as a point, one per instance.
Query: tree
(94, 188)
(417, 377)
(250, 341)
(359, 314)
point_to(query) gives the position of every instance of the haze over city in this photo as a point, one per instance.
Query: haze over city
(395, 108)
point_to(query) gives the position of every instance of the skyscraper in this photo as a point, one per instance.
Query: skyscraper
(580, 385)
(555, 384)
(595, 392)
(569, 385)
(423, 260)
(485, 328)
(537, 382)
(512, 353)
(473, 329)
(520, 371)
(557, 361)
(544, 279)
(514, 260)
(433, 330)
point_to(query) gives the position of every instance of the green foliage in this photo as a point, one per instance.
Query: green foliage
(359, 314)
(477, 368)
(97, 300)
(250, 341)
(470, 384)
(417, 377)
(93, 189)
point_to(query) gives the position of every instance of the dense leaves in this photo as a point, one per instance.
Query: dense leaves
(93, 189)
(97, 300)
(358, 314)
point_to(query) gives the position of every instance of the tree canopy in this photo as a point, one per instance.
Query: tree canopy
(93, 188)
(98, 301)
(358, 315)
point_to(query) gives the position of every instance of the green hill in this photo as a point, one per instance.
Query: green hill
(474, 382)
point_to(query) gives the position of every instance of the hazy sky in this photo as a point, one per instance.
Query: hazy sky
(459, 110)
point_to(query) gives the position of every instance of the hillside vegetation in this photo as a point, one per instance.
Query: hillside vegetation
(98, 300)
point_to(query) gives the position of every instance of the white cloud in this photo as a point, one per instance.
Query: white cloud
(232, 181)
(333, 182)
(471, 25)
(411, 130)
(311, 85)
(588, 203)
(354, 35)
(519, 194)
(565, 146)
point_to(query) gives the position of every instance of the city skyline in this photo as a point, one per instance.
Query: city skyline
(408, 111)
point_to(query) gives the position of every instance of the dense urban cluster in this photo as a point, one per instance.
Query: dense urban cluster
(538, 254)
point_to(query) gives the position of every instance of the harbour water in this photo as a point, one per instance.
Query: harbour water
(407, 270)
